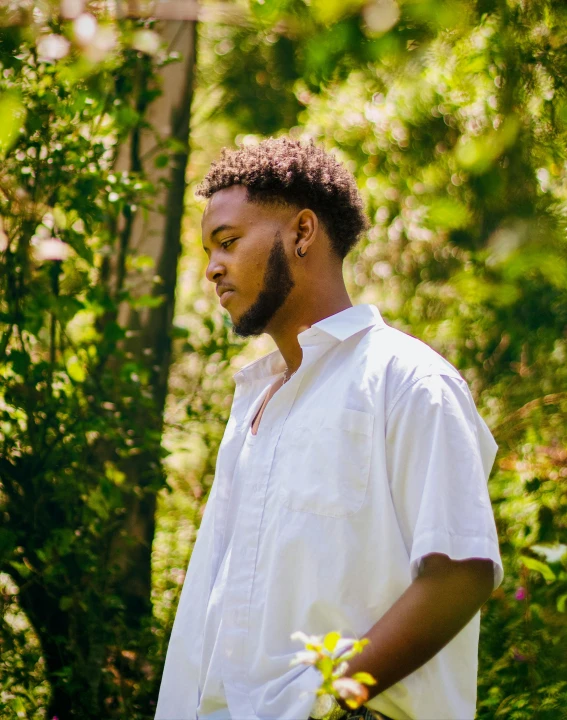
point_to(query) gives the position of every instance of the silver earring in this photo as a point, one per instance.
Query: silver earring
(300, 254)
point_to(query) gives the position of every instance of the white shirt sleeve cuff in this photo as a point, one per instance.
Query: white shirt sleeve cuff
(456, 547)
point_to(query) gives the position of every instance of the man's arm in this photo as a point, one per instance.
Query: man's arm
(438, 604)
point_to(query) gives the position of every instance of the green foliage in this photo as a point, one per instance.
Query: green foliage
(453, 117)
(265, 71)
(22, 688)
(75, 404)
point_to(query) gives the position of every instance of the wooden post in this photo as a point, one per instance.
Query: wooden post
(187, 10)
(155, 233)
(163, 9)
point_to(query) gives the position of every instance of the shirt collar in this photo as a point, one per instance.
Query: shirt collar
(333, 329)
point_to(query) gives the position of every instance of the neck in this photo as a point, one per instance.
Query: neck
(300, 317)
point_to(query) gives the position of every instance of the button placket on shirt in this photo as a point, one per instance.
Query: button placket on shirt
(246, 539)
(238, 598)
(232, 445)
(246, 534)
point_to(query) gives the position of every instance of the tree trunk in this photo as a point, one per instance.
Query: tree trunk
(155, 233)
(125, 564)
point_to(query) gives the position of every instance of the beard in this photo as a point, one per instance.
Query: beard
(277, 285)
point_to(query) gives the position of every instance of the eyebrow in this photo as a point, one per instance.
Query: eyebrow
(221, 228)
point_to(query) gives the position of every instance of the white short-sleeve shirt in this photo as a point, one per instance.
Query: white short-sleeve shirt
(371, 457)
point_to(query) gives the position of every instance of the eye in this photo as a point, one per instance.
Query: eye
(227, 243)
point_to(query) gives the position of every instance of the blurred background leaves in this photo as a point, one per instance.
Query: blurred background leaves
(453, 118)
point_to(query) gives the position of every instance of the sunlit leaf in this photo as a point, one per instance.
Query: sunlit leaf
(365, 678)
(448, 213)
(539, 567)
(13, 114)
(331, 640)
(330, 11)
(75, 369)
(147, 301)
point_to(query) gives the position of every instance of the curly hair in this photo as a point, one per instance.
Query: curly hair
(286, 171)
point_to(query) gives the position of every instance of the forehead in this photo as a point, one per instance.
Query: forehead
(231, 207)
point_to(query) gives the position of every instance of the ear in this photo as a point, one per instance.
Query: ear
(306, 226)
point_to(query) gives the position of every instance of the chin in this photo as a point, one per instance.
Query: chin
(234, 316)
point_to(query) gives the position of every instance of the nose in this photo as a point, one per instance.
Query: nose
(215, 270)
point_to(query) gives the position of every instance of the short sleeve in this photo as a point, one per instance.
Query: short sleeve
(439, 454)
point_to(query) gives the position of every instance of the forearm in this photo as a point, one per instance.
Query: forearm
(436, 606)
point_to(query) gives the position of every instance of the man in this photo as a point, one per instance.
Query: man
(351, 483)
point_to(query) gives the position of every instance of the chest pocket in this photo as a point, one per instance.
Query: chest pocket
(323, 462)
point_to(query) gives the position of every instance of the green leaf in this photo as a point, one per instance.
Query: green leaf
(66, 307)
(97, 502)
(179, 332)
(18, 706)
(65, 603)
(116, 476)
(13, 114)
(562, 603)
(7, 542)
(267, 12)
(477, 154)
(147, 301)
(113, 332)
(20, 361)
(539, 566)
(162, 160)
(364, 677)
(22, 568)
(358, 645)
(60, 217)
(330, 11)
(325, 666)
(75, 369)
(331, 640)
(141, 262)
(448, 213)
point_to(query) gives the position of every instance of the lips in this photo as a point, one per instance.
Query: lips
(225, 295)
(220, 289)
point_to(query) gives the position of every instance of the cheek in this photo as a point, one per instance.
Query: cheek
(251, 272)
